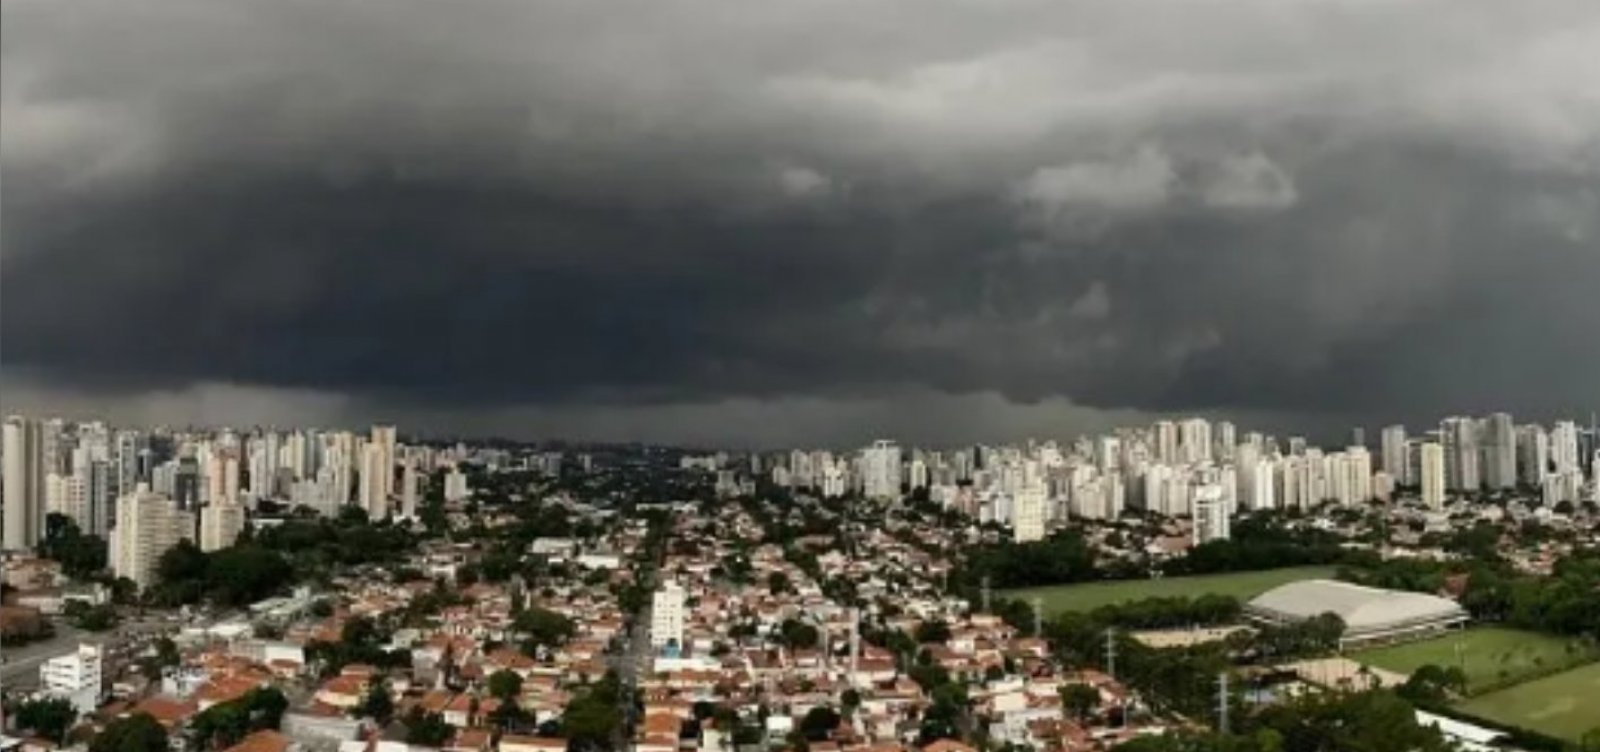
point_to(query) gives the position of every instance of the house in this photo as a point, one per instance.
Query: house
(518, 743)
(266, 740)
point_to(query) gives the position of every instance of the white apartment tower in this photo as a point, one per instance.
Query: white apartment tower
(1500, 452)
(220, 525)
(24, 485)
(1392, 442)
(880, 470)
(1431, 468)
(384, 438)
(147, 525)
(1028, 509)
(666, 616)
(374, 498)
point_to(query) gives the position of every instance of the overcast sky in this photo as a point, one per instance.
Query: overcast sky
(807, 221)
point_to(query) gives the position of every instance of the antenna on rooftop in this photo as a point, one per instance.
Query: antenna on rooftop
(1038, 617)
(1111, 653)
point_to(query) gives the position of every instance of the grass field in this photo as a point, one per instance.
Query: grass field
(1490, 655)
(1565, 705)
(1092, 595)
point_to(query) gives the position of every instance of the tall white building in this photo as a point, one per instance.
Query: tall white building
(384, 438)
(220, 525)
(1564, 445)
(666, 616)
(75, 677)
(408, 489)
(147, 525)
(1533, 455)
(374, 498)
(1462, 456)
(455, 485)
(24, 484)
(1499, 452)
(1431, 467)
(880, 470)
(1028, 510)
(1395, 460)
(1210, 514)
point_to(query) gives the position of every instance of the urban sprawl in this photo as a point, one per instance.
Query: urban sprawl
(1180, 587)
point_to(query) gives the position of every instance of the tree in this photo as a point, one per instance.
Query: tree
(1079, 700)
(48, 717)
(543, 628)
(796, 634)
(935, 630)
(505, 685)
(427, 729)
(778, 583)
(377, 704)
(136, 733)
(819, 723)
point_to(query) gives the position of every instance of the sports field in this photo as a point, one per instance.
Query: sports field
(1488, 655)
(1092, 595)
(1565, 705)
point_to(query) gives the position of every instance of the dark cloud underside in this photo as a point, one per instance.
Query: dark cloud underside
(454, 209)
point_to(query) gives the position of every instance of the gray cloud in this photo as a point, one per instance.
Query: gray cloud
(1317, 209)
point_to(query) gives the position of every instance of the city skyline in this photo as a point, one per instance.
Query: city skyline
(789, 223)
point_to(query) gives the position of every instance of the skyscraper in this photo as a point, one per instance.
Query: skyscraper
(1393, 440)
(1028, 508)
(1431, 468)
(880, 470)
(1533, 455)
(24, 487)
(384, 438)
(373, 497)
(1500, 452)
(1461, 454)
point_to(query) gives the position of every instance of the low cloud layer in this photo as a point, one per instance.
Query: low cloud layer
(1330, 210)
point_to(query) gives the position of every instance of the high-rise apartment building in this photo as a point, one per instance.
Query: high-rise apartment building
(24, 483)
(880, 470)
(1462, 455)
(1533, 455)
(1393, 448)
(1431, 468)
(220, 525)
(666, 616)
(1499, 452)
(373, 497)
(148, 524)
(1028, 509)
(384, 438)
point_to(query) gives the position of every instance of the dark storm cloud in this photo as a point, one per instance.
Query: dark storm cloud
(1353, 208)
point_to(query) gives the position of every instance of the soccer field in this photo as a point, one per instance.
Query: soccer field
(1565, 705)
(1488, 655)
(1092, 595)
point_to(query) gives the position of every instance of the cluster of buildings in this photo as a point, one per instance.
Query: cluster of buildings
(143, 491)
(1207, 471)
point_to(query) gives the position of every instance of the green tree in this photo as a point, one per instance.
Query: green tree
(543, 628)
(819, 723)
(377, 703)
(427, 729)
(48, 717)
(505, 685)
(136, 733)
(1079, 700)
(935, 630)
